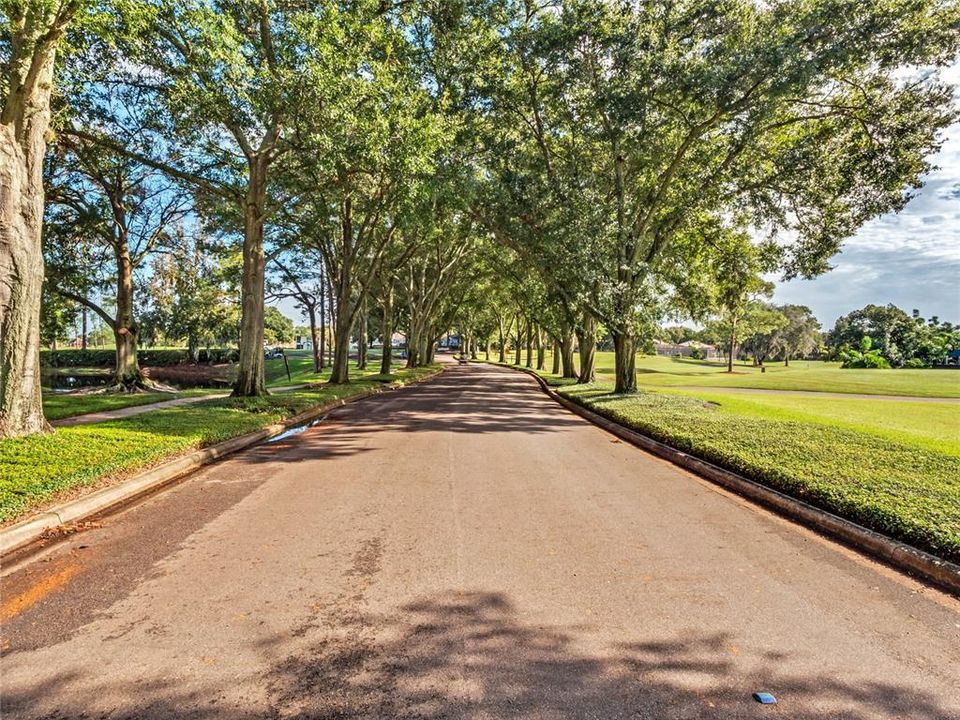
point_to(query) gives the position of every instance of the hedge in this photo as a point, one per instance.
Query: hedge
(148, 358)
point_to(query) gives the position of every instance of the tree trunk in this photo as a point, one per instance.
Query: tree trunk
(323, 323)
(555, 369)
(250, 381)
(486, 349)
(503, 341)
(387, 357)
(83, 328)
(730, 346)
(519, 348)
(126, 332)
(362, 338)
(340, 370)
(529, 345)
(541, 350)
(566, 355)
(317, 354)
(588, 349)
(626, 363)
(23, 127)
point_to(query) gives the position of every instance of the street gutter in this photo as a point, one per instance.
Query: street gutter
(899, 555)
(17, 536)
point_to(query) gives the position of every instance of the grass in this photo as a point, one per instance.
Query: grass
(301, 368)
(35, 469)
(931, 426)
(57, 406)
(812, 376)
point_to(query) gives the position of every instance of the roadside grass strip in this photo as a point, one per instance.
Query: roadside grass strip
(907, 492)
(35, 468)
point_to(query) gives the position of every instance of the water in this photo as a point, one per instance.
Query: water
(296, 430)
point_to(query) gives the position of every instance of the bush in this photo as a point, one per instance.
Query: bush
(915, 363)
(864, 356)
(147, 358)
(77, 358)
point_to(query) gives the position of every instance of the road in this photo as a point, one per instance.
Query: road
(465, 548)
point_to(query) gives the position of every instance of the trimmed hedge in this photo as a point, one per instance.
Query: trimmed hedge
(147, 358)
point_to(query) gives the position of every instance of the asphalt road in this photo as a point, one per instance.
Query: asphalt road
(467, 549)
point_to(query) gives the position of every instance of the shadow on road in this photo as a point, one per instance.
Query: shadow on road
(472, 399)
(454, 655)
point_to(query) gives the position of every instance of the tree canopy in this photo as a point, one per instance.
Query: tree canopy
(524, 174)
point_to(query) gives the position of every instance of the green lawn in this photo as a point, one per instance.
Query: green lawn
(812, 376)
(57, 406)
(932, 426)
(301, 368)
(35, 468)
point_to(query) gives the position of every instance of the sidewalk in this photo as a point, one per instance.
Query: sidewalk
(105, 415)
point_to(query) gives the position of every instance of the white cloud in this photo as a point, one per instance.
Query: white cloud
(911, 258)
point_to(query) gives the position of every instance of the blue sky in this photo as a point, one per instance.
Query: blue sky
(911, 259)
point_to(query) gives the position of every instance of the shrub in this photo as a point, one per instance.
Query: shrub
(148, 357)
(864, 356)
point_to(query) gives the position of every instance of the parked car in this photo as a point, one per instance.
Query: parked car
(274, 354)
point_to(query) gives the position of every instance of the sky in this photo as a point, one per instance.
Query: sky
(910, 259)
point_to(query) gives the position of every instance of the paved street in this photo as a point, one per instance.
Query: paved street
(465, 548)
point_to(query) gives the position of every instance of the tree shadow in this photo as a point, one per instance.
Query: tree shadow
(471, 400)
(469, 655)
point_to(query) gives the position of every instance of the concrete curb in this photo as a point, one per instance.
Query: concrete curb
(23, 533)
(901, 556)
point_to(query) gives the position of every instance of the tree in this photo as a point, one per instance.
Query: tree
(57, 316)
(222, 83)
(119, 205)
(758, 330)
(897, 336)
(278, 328)
(302, 281)
(800, 336)
(736, 269)
(796, 115)
(192, 295)
(31, 32)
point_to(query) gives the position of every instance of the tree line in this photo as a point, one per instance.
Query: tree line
(552, 167)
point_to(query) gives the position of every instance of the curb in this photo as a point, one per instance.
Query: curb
(901, 556)
(23, 533)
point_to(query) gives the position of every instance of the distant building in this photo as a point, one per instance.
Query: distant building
(687, 349)
(304, 342)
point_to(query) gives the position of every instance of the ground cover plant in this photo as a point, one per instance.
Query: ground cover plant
(35, 468)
